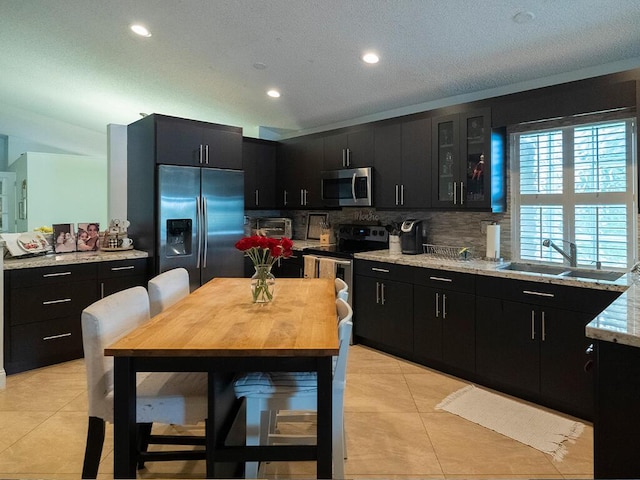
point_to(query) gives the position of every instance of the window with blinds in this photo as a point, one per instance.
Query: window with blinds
(576, 184)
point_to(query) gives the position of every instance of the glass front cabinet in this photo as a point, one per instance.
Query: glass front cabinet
(7, 201)
(468, 162)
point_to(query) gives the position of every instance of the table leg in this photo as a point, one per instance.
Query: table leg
(124, 430)
(210, 426)
(325, 424)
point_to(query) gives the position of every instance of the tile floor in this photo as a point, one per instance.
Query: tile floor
(393, 431)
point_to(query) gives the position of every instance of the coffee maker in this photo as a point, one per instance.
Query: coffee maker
(411, 237)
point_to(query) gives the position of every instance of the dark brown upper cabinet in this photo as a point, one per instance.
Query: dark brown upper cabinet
(348, 149)
(467, 162)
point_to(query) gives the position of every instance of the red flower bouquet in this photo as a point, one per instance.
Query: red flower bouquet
(264, 252)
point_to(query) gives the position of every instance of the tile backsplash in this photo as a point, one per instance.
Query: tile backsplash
(463, 229)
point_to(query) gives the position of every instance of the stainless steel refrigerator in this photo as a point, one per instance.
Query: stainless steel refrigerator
(200, 218)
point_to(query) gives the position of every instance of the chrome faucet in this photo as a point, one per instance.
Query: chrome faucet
(572, 257)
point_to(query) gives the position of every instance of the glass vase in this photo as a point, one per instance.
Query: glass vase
(263, 284)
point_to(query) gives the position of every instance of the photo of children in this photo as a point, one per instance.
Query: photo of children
(64, 238)
(88, 236)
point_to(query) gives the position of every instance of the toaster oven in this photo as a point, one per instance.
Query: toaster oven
(274, 227)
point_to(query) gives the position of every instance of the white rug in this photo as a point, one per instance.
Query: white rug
(537, 428)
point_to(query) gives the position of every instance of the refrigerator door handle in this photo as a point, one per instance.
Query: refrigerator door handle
(205, 231)
(198, 231)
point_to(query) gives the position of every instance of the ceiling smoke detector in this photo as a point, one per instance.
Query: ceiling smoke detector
(523, 17)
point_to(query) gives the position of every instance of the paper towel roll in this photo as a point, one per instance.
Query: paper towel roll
(493, 241)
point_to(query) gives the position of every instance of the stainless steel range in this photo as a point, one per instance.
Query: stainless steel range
(351, 239)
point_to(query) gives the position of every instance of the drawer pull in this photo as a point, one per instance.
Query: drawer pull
(383, 270)
(539, 294)
(54, 337)
(60, 274)
(441, 279)
(128, 267)
(53, 302)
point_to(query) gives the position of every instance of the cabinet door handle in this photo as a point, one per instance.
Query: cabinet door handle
(284, 200)
(126, 267)
(441, 279)
(455, 193)
(402, 194)
(444, 306)
(101, 289)
(53, 302)
(200, 155)
(539, 294)
(348, 157)
(437, 305)
(544, 332)
(377, 292)
(382, 295)
(306, 195)
(206, 154)
(397, 196)
(461, 193)
(383, 270)
(533, 325)
(60, 274)
(257, 199)
(54, 337)
(344, 157)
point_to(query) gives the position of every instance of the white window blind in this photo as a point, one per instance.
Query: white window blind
(576, 184)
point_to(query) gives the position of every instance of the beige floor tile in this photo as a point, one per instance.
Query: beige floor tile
(388, 444)
(384, 392)
(579, 458)
(430, 388)
(464, 448)
(366, 360)
(55, 446)
(15, 425)
(44, 411)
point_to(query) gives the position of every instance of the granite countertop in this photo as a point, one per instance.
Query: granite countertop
(70, 258)
(618, 323)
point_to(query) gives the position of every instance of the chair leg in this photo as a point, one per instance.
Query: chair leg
(93, 449)
(144, 435)
(338, 438)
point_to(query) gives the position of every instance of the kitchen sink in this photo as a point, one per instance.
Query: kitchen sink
(533, 268)
(563, 271)
(594, 274)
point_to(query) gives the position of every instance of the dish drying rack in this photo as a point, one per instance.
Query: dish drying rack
(447, 252)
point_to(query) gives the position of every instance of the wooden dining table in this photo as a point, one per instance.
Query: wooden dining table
(219, 330)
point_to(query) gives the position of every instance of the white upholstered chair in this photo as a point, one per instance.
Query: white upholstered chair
(342, 289)
(167, 288)
(266, 393)
(169, 398)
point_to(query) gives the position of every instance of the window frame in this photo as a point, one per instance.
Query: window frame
(569, 199)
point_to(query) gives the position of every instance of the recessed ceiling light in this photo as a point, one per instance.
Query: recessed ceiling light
(273, 93)
(140, 30)
(523, 17)
(259, 66)
(370, 57)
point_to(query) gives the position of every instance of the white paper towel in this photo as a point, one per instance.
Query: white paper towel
(493, 241)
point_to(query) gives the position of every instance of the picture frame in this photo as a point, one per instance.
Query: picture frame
(64, 238)
(314, 225)
(88, 236)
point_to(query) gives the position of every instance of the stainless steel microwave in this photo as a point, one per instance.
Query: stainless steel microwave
(350, 187)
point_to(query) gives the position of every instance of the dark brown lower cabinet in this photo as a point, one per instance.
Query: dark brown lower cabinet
(43, 305)
(616, 423)
(444, 328)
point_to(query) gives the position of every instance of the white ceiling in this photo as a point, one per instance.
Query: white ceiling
(70, 67)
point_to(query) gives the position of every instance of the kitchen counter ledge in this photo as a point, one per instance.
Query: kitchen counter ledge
(71, 259)
(618, 323)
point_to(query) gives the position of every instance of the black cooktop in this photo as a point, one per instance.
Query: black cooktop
(353, 239)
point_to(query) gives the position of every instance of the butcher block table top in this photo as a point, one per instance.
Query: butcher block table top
(219, 319)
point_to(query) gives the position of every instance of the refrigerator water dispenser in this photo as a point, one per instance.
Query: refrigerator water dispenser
(179, 237)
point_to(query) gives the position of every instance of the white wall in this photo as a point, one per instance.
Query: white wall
(62, 189)
(117, 166)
